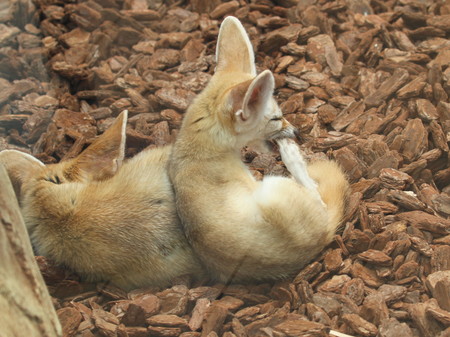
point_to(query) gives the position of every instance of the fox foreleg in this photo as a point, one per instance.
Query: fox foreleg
(296, 165)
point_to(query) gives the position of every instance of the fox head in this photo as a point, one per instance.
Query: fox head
(47, 192)
(237, 106)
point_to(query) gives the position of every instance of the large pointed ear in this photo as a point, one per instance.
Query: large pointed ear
(105, 155)
(251, 100)
(234, 51)
(20, 166)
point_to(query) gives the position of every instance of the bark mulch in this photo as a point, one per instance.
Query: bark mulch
(366, 82)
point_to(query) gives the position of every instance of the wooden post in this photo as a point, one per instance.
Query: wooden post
(25, 305)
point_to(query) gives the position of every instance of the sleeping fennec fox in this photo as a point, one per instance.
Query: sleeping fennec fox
(104, 218)
(243, 229)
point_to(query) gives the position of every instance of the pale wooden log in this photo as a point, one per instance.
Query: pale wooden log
(25, 305)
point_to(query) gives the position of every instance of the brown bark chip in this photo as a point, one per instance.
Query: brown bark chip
(438, 284)
(141, 309)
(214, 319)
(301, 327)
(70, 319)
(359, 325)
(388, 87)
(393, 328)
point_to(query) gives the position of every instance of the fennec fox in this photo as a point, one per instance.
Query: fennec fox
(104, 218)
(243, 229)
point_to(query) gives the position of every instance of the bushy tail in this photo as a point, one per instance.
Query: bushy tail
(334, 190)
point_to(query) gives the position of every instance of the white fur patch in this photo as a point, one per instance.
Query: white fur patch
(267, 190)
(296, 165)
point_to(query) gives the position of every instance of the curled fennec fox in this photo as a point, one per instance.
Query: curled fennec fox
(243, 229)
(104, 218)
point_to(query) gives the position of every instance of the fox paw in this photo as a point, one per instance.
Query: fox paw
(296, 165)
(293, 158)
(289, 150)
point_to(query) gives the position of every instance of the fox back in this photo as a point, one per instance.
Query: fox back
(105, 218)
(243, 229)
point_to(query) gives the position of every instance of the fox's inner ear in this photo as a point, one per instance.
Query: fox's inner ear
(20, 166)
(102, 159)
(250, 105)
(234, 51)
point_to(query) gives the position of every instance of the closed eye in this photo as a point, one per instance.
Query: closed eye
(276, 119)
(54, 180)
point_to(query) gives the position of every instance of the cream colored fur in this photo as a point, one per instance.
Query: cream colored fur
(106, 219)
(243, 229)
